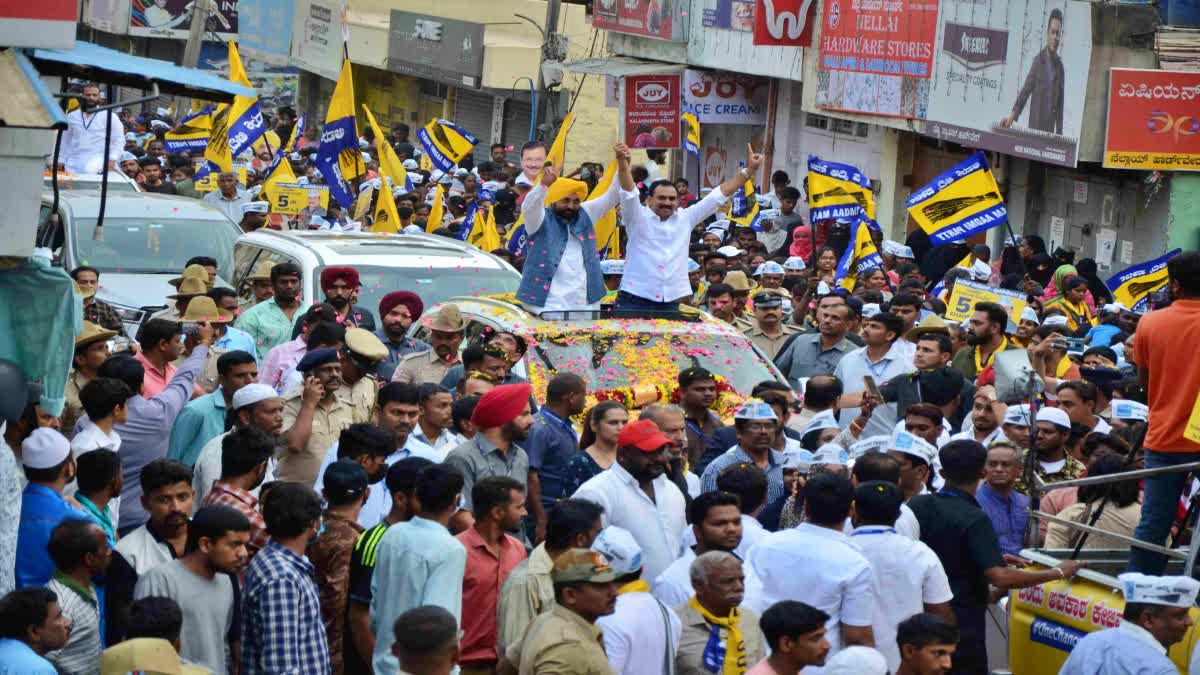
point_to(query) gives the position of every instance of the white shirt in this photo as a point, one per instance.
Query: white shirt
(82, 148)
(657, 251)
(909, 576)
(90, 438)
(379, 501)
(674, 586)
(969, 435)
(232, 208)
(142, 551)
(639, 634)
(819, 567)
(693, 484)
(208, 470)
(657, 526)
(568, 288)
(752, 533)
(855, 365)
(435, 450)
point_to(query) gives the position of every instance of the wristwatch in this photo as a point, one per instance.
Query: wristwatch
(744, 172)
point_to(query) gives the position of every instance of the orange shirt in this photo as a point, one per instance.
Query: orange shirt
(484, 575)
(1165, 341)
(156, 380)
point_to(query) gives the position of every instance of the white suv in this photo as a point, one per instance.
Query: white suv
(432, 266)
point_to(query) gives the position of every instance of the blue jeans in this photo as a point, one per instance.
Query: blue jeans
(628, 302)
(1159, 503)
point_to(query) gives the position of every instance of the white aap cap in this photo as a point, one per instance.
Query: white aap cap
(1029, 314)
(410, 165)
(718, 227)
(831, 453)
(44, 448)
(1149, 590)
(1124, 409)
(856, 660)
(769, 267)
(253, 393)
(891, 247)
(913, 446)
(1058, 321)
(870, 309)
(255, 207)
(1056, 416)
(1018, 415)
(872, 444)
(794, 263)
(981, 271)
(622, 550)
(612, 267)
(800, 459)
(822, 420)
(1115, 308)
(730, 251)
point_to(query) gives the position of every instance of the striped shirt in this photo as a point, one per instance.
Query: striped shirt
(81, 654)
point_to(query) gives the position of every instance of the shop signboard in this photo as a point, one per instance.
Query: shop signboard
(47, 24)
(719, 97)
(876, 57)
(660, 19)
(650, 110)
(784, 23)
(173, 19)
(317, 36)
(436, 48)
(1011, 76)
(1153, 120)
(110, 16)
(265, 27)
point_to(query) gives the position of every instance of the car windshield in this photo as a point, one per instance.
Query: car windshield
(68, 183)
(433, 285)
(608, 359)
(153, 245)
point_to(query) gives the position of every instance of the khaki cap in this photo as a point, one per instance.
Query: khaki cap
(448, 319)
(737, 279)
(191, 272)
(364, 343)
(202, 309)
(93, 333)
(581, 564)
(190, 287)
(262, 271)
(932, 324)
(141, 655)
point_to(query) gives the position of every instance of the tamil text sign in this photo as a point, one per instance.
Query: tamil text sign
(1153, 120)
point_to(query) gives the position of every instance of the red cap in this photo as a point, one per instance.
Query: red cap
(643, 435)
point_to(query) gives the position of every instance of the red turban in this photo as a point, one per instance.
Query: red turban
(501, 405)
(407, 298)
(331, 274)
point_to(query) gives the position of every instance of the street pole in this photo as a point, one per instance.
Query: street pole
(191, 50)
(551, 26)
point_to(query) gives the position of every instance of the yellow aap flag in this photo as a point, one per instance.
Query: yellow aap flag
(963, 201)
(1132, 286)
(837, 191)
(293, 199)
(968, 293)
(445, 142)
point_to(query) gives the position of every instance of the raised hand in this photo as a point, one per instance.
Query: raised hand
(753, 159)
(549, 175)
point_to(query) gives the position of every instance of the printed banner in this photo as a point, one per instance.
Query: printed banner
(173, 19)
(651, 110)
(265, 26)
(837, 191)
(661, 19)
(718, 97)
(208, 182)
(1132, 287)
(1011, 76)
(785, 23)
(962, 201)
(967, 294)
(1153, 120)
(317, 36)
(298, 199)
(876, 56)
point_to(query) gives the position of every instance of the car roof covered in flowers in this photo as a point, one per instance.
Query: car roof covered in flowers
(634, 360)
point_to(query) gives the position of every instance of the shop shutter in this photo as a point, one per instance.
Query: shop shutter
(516, 127)
(473, 112)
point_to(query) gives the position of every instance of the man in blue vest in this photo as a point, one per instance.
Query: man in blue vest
(562, 268)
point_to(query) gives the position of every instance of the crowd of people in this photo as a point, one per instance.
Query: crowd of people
(260, 487)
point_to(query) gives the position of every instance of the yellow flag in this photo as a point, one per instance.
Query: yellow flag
(386, 218)
(363, 202)
(389, 163)
(607, 237)
(557, 154)
(338, 157)
(484, 235)
(436, 210)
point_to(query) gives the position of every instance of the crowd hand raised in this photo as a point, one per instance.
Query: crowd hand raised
(549, 175)
(621, 151)
(753, 159)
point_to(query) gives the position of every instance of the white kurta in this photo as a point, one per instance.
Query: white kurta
(1127, 649)
(568, 287)
(82, 148)
(656, 261)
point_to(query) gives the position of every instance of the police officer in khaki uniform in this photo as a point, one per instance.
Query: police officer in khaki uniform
(446, 329)
(767, 330)
(566, 639)
(313, 416)
(91, 350)
(361, 357)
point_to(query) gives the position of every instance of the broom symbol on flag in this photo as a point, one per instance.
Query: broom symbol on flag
(939, 211)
